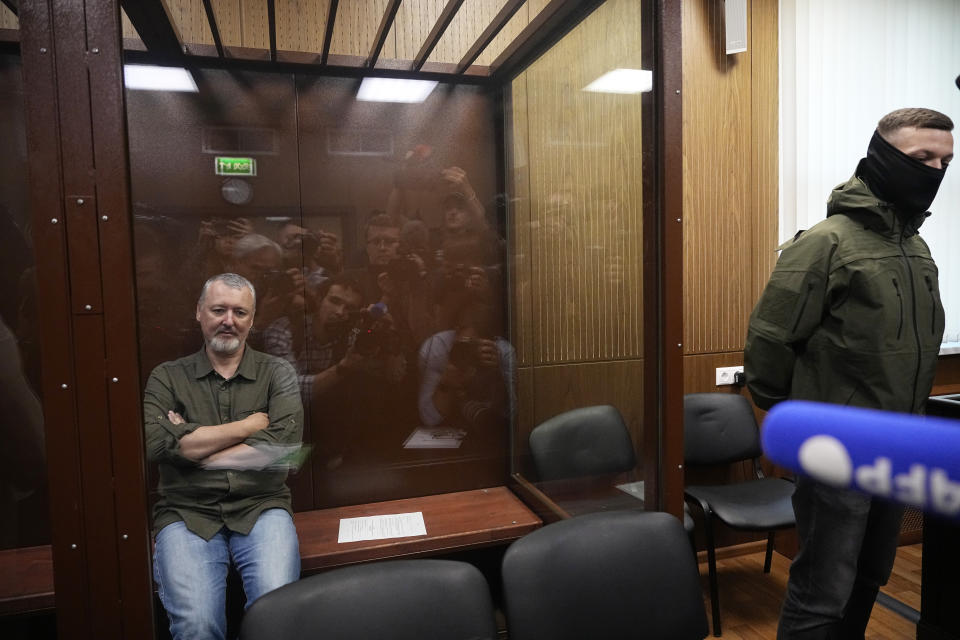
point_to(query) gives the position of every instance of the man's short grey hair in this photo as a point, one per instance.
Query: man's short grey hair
(253, 242)
(233, 281)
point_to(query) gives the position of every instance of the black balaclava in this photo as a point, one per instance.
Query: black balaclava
(893, 176)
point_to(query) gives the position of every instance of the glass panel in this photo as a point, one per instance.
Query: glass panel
(409, 189)
(579, 174)
(191, 223)
(26, 573)
(371, 235)
(23, 487)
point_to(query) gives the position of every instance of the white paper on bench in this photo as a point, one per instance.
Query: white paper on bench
(395, 525)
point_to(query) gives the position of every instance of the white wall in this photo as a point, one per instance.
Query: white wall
(843, 65)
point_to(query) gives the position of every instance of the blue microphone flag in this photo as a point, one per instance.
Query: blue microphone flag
(914, 460)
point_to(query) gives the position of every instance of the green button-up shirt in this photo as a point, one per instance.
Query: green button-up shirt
(207, 500)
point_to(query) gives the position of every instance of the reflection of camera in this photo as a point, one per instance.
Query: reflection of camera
(403, 269)
(309, 243)
(420, 175)
(465, 353)
(221, 227)
(276, 283)
(295, 255)
(375, 334)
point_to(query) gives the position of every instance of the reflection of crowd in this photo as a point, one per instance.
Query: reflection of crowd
(403, 330)
(23, 491)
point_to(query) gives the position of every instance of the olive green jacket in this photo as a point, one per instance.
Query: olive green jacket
(851, 314)
(208, 499)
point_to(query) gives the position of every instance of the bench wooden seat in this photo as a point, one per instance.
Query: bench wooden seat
(26, 580)
(454, 522)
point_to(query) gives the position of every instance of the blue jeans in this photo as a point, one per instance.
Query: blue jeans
(848, 542)
(191, 573)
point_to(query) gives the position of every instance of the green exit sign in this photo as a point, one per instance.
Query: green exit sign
(235, 166)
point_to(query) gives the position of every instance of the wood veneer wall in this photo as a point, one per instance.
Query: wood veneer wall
(576, 225)
(730, 177)
(730, 191)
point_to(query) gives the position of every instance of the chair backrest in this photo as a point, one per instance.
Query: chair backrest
(719, 428)
(611, 575)
(390, 600)
(582, 442)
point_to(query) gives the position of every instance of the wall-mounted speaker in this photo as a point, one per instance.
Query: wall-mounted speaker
(735, 19)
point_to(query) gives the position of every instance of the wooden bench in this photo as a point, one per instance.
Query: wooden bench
(26, 580)
(453, 521)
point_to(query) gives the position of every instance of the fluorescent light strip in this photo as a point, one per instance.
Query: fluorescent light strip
(394, 90)
(622, 81)
(153, 78)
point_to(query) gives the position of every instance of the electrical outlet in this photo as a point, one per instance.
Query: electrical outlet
(725, 374)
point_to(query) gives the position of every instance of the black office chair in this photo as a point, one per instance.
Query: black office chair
(610, 575)
(391, 600)
(720, 429)
(583, 442)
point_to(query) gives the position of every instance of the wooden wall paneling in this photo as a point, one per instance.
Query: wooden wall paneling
(559, 388)
(356, 26)
(699, 371)
(584, 155)
(84, 251)
(59, 393)
(730, 172)
(7, 19)
(255, 27)
(651, 273)
(520, 236)
(229, 21)
(190, 21)
(129, 32)
(510, 31)
(301, 25)
(99, 517)
(672, 230)
(76, 144)
(80, 183)
(524, 422)
(765, 167)
(947, 379)
(464, 30)
(717, 192)
(121, 348)
(75, 134)
(384, 29)
(78, 180)
(530, 10)
(415, 19)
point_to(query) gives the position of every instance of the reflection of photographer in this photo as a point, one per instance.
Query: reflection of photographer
(317, 346)
(463, 277)
(467, 373)
(214, 251)
(377, 348)
(460, 207)
(310, 250)
(397, 277)
(279, 290)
